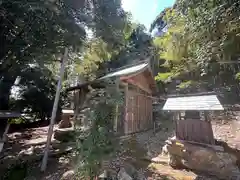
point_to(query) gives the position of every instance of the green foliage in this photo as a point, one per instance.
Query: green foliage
(17, 121)
(200, 36)
(163, 76)
(237, 76)
(37, 92)
(34, 33)
(98, 143)
(96, 52)
(98, 58)
(185, 85)
(159, 22)
(138, 47)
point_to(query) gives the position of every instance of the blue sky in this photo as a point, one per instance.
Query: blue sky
(145, 11)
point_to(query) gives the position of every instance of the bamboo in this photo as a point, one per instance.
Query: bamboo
(54, 111)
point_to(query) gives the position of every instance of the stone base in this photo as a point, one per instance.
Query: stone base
(64, 135)
(69, 175)
(202, 159)
(65, 122)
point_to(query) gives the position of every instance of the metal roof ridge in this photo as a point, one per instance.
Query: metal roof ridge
(128, 66)
(191, 94)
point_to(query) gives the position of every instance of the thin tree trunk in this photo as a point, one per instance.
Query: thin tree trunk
(54, 111)
(5, 91)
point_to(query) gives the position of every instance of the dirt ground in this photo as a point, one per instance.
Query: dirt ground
(149, 144)
(29, 146)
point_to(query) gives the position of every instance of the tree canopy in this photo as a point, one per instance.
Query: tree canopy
(201, 45)
(34, 34)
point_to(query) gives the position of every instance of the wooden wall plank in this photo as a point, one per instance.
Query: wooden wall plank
(195, 130)
(138, 110)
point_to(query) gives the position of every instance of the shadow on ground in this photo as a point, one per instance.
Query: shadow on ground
(31, 171)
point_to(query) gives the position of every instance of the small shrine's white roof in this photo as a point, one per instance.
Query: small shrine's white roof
(204, 102)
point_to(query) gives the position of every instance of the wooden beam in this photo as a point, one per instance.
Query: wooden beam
(217, 148)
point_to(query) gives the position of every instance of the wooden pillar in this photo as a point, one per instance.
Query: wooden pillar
(82, 98)
(76, 107)
(145, 111)
(138, 110)
(176, 118)
(126, 110)
(72, 104)
(207, 119)
(141, 106)
(151, 112)
(132, 112)
(117, 107)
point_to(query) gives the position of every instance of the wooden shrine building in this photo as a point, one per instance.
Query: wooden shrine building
(137, 85)
(191, 115)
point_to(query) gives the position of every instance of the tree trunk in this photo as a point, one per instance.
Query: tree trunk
(5, 90)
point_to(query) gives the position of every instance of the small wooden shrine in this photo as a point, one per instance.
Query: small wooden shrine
(191, 115)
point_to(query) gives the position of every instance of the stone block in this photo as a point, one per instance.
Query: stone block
(195, 157)
(64, 135)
